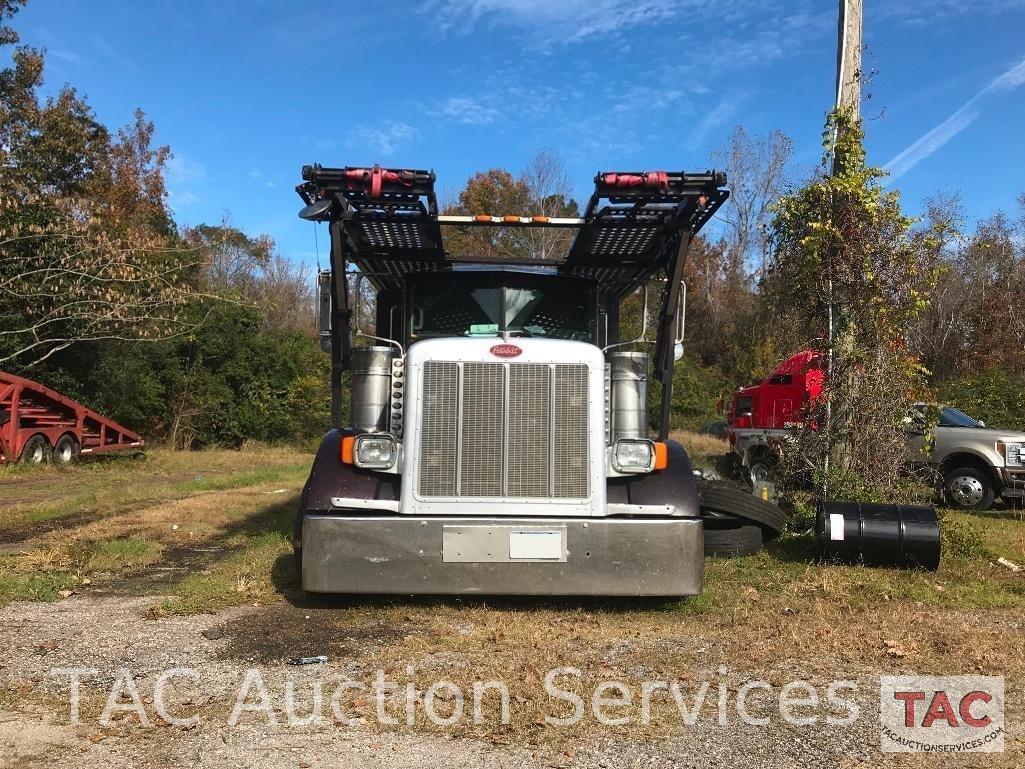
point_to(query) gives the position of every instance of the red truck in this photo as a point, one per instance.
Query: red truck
(759, 417)
(38, 425)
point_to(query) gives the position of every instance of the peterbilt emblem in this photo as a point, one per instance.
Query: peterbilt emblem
(506, 351)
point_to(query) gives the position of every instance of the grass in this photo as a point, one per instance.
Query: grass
(120, 518)
(34, 495)
(705, 451)
(43, 586)
(258, 572)
(776, 614)
(142, 514)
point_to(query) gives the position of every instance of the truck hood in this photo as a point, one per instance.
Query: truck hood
(984, 434)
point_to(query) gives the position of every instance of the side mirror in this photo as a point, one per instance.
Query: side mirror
(316, 211)
(681, 316)
(324, 278)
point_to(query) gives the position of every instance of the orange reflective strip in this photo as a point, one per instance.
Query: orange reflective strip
(661, 456)
(348, 449)
(482, 218)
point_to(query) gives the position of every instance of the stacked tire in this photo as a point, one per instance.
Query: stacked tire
(736, 522)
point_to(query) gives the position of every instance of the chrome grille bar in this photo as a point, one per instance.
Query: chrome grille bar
(570, 459)
(482, 417)
(492, 430)
(528, 459)
(438, 465)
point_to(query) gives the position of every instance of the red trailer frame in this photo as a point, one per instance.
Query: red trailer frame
(30, 412)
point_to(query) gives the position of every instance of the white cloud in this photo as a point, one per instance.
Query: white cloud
(467, 110)
(717, 116)
(925, 14)
(931, 141)
(181, 200)
(569, 20)
(114, 55)
(1012, 78)
(181, 169)
(382, 139)
(258, 175)
(65, 54)
(934, 139)
(181, 173)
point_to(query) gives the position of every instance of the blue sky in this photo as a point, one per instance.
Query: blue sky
(245, 92)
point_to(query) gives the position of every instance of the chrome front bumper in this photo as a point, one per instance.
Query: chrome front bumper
(399, 554)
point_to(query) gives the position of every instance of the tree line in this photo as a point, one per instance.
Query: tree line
(745, 314)
(194, 335)
(204, 335)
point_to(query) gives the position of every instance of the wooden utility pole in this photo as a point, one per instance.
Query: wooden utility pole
(848, 99)
(848, 63)
(848, 56)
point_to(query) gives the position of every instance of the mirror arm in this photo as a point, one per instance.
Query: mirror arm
(644, 326)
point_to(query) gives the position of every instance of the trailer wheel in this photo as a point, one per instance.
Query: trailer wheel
(725, 498)
(731, 538)
(65, 451)
(36, 451)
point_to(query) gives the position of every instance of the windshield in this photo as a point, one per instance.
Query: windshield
(487, 304)
(951, 417)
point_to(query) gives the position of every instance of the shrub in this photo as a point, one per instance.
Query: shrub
(995, 396)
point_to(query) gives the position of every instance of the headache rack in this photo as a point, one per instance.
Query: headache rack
(631, 229)
(637, 225)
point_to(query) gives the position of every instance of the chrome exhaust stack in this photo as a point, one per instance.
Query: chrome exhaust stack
(372, 388)
(628, 373)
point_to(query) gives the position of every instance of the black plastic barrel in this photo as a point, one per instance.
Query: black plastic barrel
(905, 536)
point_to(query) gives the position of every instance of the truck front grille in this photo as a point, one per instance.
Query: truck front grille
(504, 430)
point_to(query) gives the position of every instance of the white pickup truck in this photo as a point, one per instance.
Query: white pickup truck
(976, 463)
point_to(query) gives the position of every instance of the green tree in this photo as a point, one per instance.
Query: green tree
(844, 250)
(86, 241)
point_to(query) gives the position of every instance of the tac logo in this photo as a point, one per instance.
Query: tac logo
(506, 351)
(956, 714)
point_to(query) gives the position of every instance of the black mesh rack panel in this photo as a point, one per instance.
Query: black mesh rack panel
(629, 230)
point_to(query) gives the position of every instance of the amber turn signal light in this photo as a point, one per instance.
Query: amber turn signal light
(661, 455)
(347, 450)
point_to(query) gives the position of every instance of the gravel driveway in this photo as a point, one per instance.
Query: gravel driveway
(107, 633)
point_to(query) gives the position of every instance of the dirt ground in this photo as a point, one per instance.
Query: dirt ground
(184, 563)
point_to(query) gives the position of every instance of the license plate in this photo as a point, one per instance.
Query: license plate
(535, 545)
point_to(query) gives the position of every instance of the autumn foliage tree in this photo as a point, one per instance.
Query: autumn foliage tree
(86, 246)
(542, 189)
(844, 250)
(197, 336)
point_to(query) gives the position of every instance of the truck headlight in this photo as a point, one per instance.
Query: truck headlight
(1013, 453)
(375, 452)
(630, 456)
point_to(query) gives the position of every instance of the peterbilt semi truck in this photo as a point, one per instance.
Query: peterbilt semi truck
(498, 437)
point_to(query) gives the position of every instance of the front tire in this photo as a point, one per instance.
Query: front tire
(969, 488)
(762, 468)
